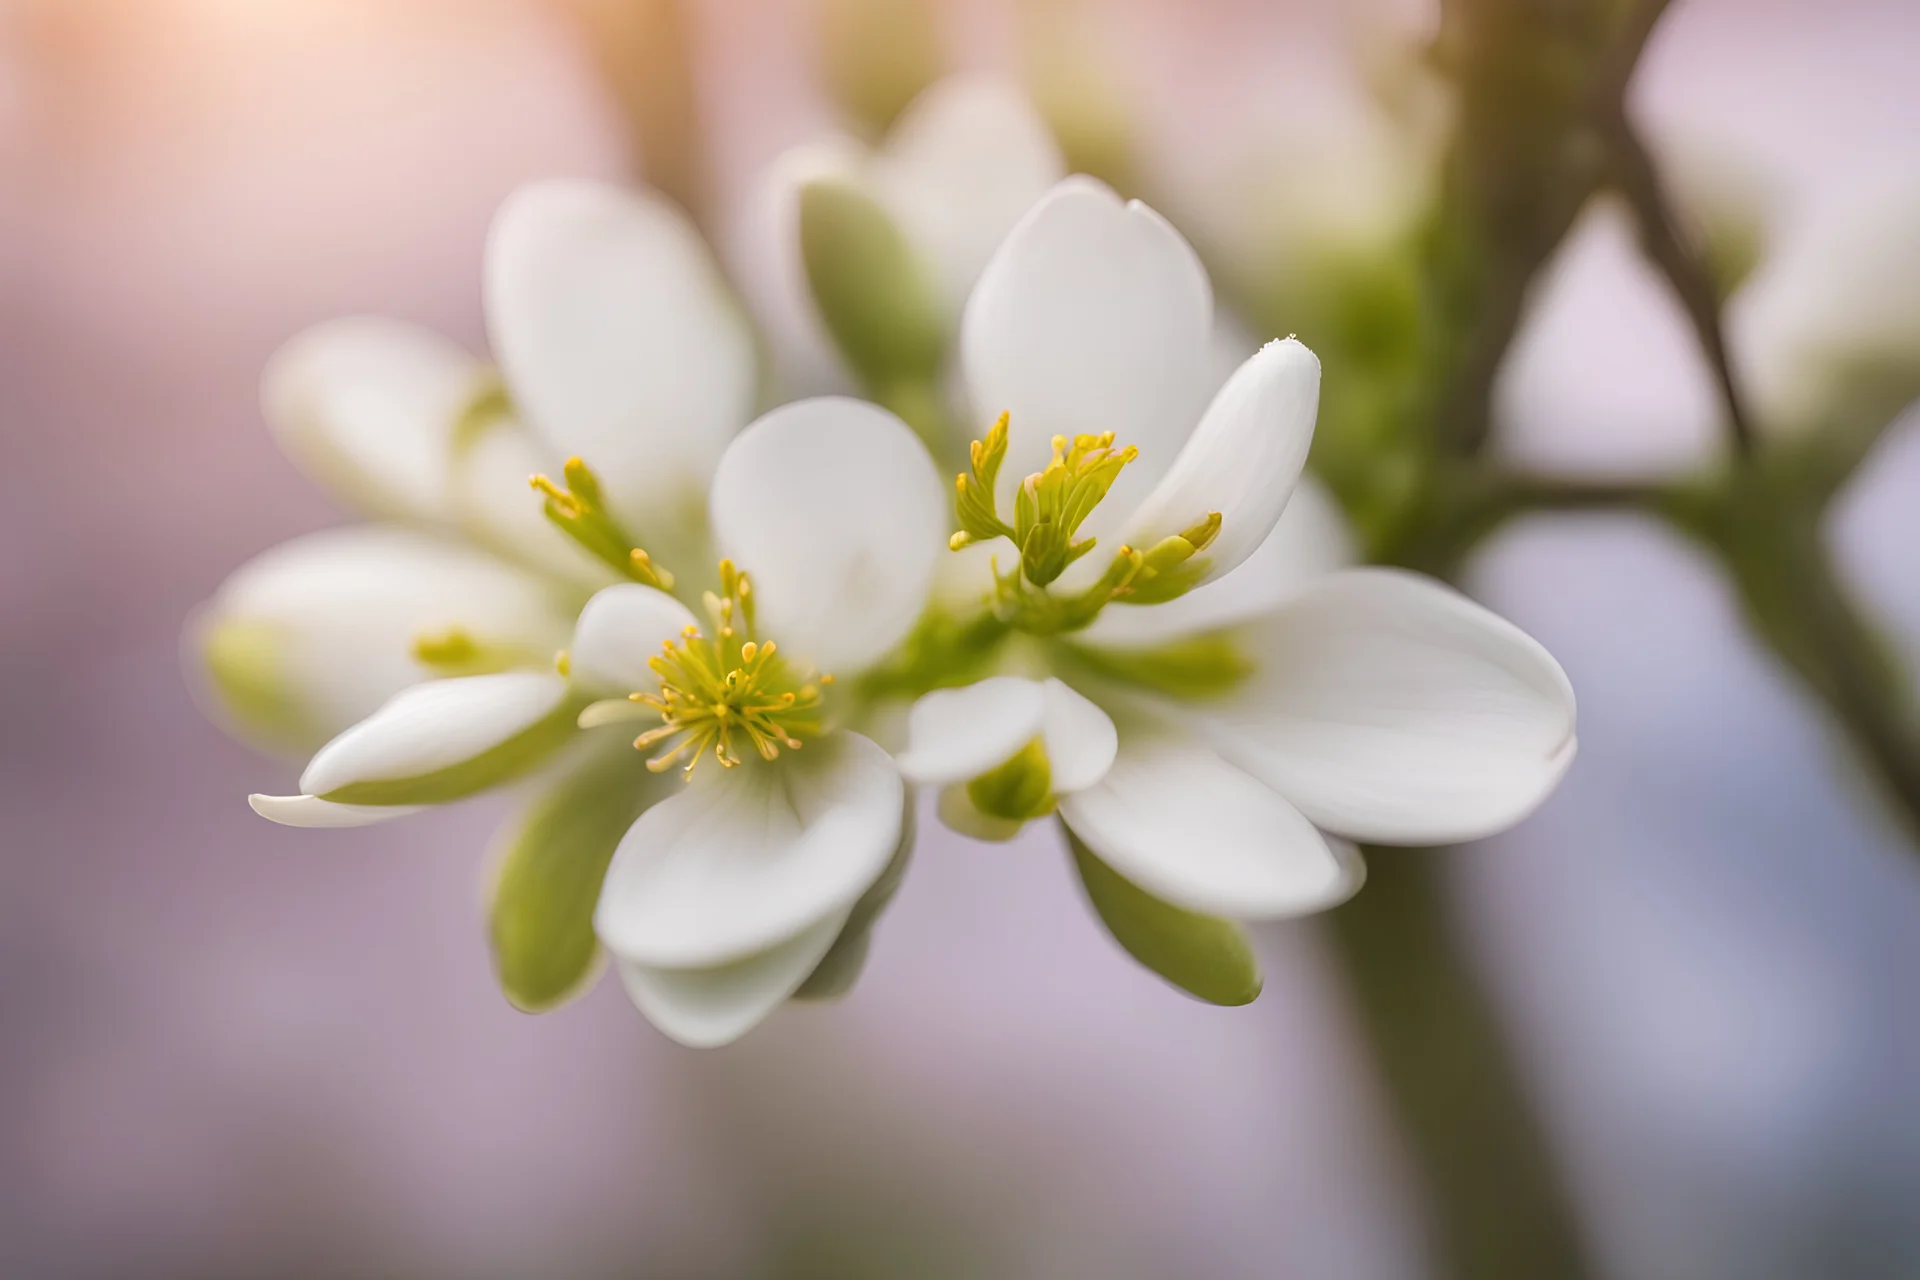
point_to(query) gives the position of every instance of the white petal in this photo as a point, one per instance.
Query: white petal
(327, 621)
(834, 509)
(965, 161)
(620, 342)
(1391, 708)
(312, 811)
(619, 630)
(748, 857)
(958, 813)
(1188, 827)
(954, 735)
(1311, 539)
(706, 1008)
(1093, 316)
(1080, 739)
(1242, 460)
(367, 407)
(773, 275)
(434, 726)
(1353, 864)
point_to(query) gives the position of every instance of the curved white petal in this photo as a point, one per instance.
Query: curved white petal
(312, 811)
(620, 342)
(434, 726)
(1242, 460)
(706, 1008)
(321, 629)
(747, 858)
(619, 630)
(958, 813)
(1391, 708)
(964, 162)
(834, 509)
(957, 734)
(773, 275)
(1188, 827)
(1311, 539)
(367, 406)
(1080, 739)
(1094, 315)
(1353, 864)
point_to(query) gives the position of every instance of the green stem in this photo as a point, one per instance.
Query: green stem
(1495, 1204)
(1768, 534)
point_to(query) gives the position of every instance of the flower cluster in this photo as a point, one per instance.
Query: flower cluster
(723, 651)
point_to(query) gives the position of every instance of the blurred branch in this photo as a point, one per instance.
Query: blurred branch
(1493, 1192)
(1532, 79)
(1671, 247)
(1765, 523)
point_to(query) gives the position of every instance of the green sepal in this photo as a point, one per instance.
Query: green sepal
(242, 661)
(1205, 956)
(1018, 790)
(1202, 666)
(840, 968)
(497, 764)
(872, 292)
(540, 916)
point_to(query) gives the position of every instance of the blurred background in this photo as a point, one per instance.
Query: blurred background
(229, 1049)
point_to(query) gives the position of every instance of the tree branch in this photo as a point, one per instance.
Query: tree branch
(1497, 1207)
(1670, 244)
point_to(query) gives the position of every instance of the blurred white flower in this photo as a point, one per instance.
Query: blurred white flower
(963, 163)
(1830, 326)
(1208, 716)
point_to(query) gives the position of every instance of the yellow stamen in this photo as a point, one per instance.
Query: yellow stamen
(718, 689)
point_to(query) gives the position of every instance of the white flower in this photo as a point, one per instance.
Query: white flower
(727, 893)
(965, 160)
(1211, 720)
(617, 341)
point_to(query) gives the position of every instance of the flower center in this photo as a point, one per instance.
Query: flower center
(1049, 507)
(720, 688)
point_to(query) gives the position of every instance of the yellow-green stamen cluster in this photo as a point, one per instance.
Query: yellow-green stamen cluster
(579, 510)
(716, 689)
(1049, 507)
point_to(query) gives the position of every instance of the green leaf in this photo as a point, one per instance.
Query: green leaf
(499, 763)
(873, 293)
(840, 968)
(540, 920)
(1204, 956)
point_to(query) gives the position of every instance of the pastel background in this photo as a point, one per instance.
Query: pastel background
(229, 1049)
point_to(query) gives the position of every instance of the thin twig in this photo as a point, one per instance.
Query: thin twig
(1673, 248)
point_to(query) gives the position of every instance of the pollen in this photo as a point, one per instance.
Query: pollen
(725, 692)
